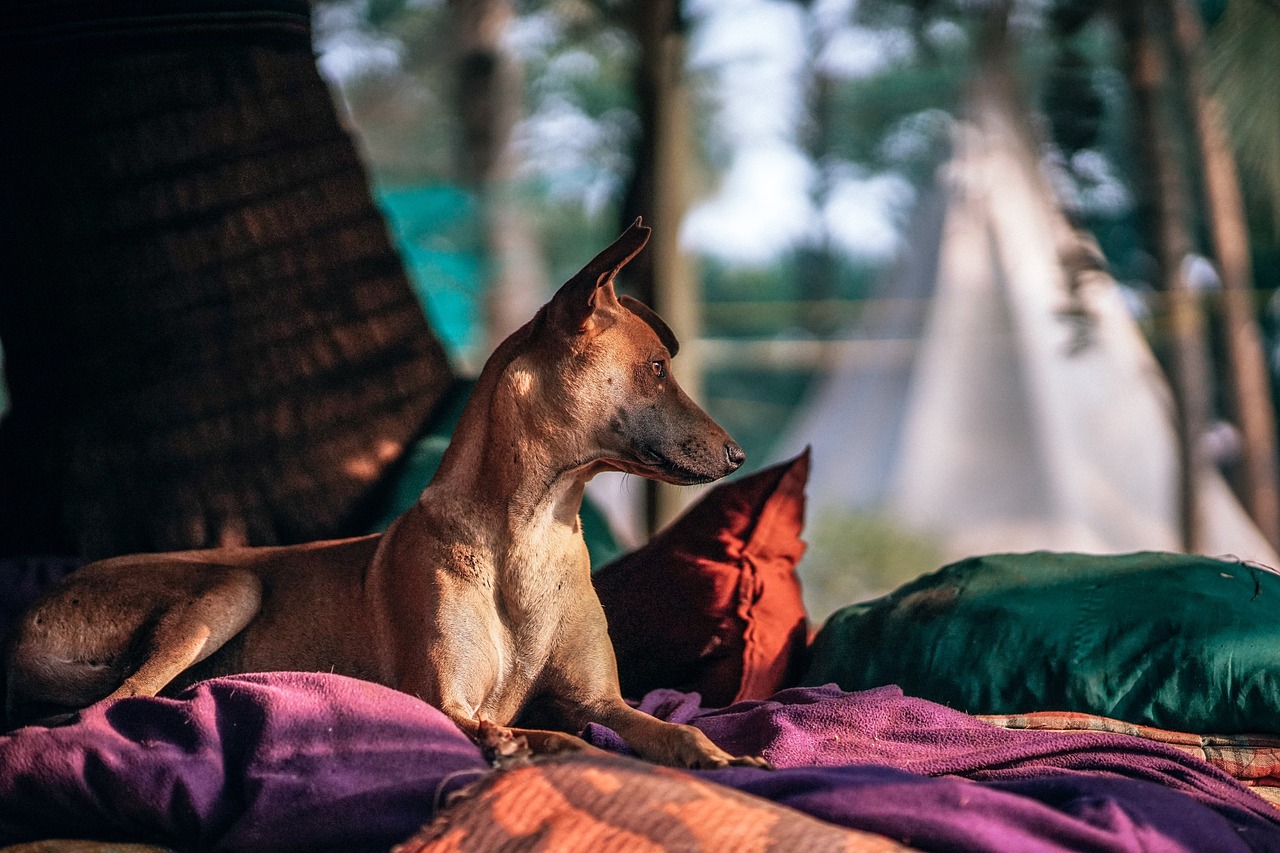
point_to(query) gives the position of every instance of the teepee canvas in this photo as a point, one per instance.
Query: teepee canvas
(996, 397)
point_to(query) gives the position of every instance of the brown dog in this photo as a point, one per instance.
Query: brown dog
(477, 600)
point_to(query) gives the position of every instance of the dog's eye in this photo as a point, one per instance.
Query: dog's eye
(659, 369)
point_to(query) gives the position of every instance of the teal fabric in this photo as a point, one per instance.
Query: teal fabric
(1170, 640)
(434, 226)
(422, 460)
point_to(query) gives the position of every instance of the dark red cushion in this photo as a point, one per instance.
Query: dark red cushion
(712, 603)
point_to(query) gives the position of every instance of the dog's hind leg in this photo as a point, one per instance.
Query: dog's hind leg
(191, 630)
(104, 632)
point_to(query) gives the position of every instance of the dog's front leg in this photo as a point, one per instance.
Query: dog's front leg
(590, 694)
(461, 665)
(581, 687)
(672, 744)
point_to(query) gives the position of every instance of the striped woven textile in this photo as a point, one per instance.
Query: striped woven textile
(1253, 759)
(590, 804)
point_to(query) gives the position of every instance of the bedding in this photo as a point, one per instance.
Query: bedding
(1251, 759)
(293, 761)
(297, 761)
(1173, 641)
(590, 804)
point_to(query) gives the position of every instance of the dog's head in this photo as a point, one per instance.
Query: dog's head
(610, 377)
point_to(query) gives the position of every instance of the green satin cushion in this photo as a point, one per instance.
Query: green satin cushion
(1169, 640)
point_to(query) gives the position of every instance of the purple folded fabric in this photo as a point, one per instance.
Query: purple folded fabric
(291, 761)
(1052, 814)
(286, 761)
(906, 768)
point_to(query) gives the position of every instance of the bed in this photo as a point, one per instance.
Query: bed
(314, 761)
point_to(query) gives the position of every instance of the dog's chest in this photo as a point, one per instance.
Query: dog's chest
(534, 607)
(518, 652)
(533, 614)
(529, 647)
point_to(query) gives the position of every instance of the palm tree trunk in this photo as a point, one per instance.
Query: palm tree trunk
(1146, 28)
(489, 97)
(1247, 376)
(664, 276)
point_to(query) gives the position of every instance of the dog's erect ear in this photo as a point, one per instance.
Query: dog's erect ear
(659, 326)
(592, 287)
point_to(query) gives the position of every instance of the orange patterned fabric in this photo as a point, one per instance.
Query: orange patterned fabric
(592, 803)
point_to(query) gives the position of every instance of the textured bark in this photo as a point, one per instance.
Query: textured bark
(1247, 379)
(664, 276)
(1146, 29)
(490, 97)
(209, 337)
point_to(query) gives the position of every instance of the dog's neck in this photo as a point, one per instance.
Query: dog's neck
(509, 458)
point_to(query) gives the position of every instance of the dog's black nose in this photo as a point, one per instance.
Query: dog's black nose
(734, 454)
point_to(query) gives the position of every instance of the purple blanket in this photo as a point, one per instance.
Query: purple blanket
(319, 762)
(882, 762)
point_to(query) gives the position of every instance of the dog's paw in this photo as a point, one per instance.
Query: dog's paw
(501, 746)
(721, 759)
(544, 742)
(511, 747)
(752, 761)
(685, 746)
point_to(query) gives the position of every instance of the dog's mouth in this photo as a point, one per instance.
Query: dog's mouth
(660, 467)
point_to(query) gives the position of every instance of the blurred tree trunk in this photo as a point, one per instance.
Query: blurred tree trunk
(1245, 77)
(490, 94)
(209, 338)
(815, 263)
(1146, 28)
(663, 276)
(1247, 377)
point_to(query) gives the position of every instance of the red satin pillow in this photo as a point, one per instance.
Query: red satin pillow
(712, 603)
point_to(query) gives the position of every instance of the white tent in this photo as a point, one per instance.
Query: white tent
(994, 398)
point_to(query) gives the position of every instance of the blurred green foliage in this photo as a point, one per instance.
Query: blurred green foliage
(576, 141)
(755, 404)
(854, 557)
